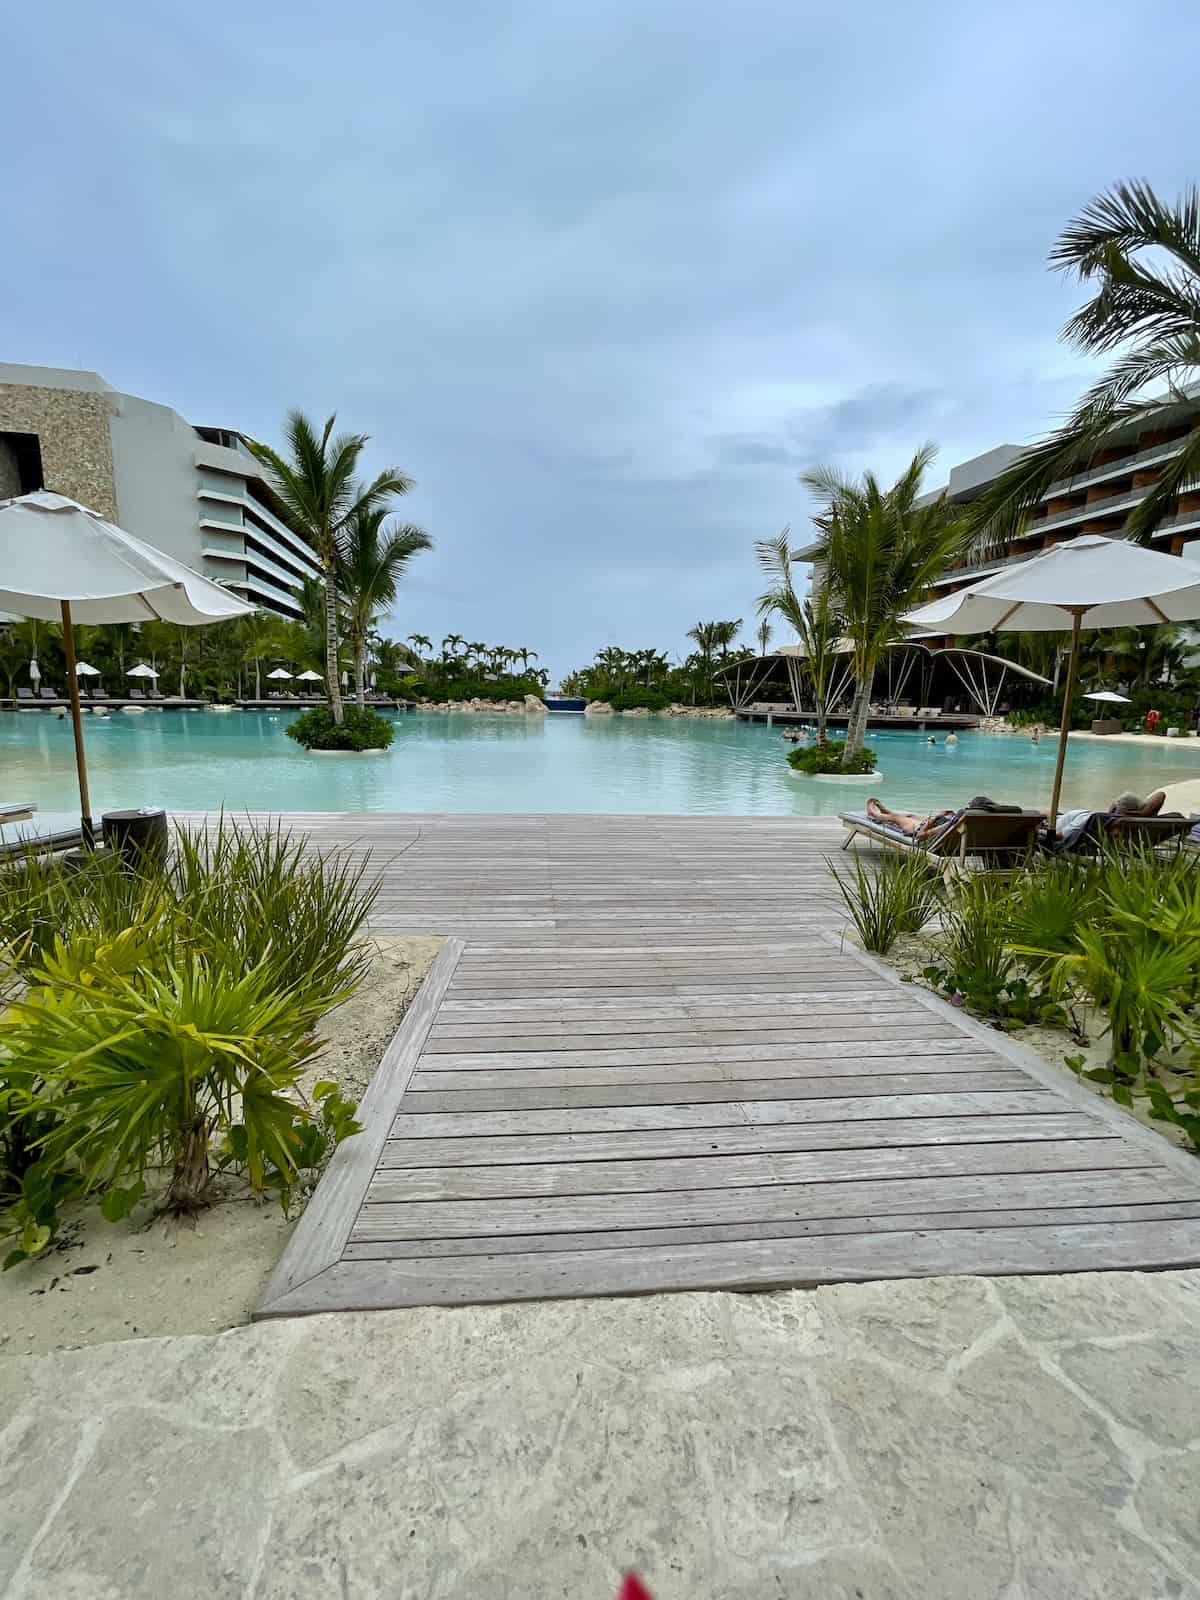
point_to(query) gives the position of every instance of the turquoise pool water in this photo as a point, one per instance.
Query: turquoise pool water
(201, 761)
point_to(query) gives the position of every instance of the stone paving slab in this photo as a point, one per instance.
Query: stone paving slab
(965, 1438)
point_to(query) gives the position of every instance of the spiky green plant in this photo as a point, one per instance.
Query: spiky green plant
(897, 895)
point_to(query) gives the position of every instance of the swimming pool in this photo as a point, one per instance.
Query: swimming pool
(188, 761)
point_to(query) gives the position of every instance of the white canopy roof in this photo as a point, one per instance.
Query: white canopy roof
(1108, 583)
(1109, 696)
(84, 669)
(53, 549)
(309, 676)
(142, 671)
(279, 672)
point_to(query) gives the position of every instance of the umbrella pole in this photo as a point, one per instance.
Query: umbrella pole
(1068, 696)
(85, 805)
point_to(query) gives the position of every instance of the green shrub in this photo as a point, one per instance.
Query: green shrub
(363, 729)
(640, 700)
(166, 1016)
(828, 758)
(898, 896)
(976, 965)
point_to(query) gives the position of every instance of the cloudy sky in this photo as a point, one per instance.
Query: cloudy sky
(602, 275)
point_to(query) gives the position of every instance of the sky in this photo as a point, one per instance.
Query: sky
(603, 276)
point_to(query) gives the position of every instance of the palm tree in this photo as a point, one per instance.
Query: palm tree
(1149, 303)
(317, 486)
(526, 656)
(880, 551)
(813, 619)
(258, 635)
(726, 633)
(763, 636)
(372, 560)
(450, 645)
(421, 643)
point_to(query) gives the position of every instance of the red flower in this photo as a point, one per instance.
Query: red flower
(634, 1589)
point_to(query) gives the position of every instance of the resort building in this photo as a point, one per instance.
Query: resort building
(195, 492)
(1097, 499)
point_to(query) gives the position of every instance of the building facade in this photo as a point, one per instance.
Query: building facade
(195, 492)
(1097, 499)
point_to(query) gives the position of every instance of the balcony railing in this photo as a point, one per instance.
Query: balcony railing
(1150, 457)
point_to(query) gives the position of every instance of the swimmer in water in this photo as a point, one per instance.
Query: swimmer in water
(1035, 737)
(951, 738)
(931, 740)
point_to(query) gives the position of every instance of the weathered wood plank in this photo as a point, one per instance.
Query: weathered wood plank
(465, 1125)
(323, 1230)
(750, 1264)
(669, 1175)
(527, 1149)
(718, 1233)
(512, 1097)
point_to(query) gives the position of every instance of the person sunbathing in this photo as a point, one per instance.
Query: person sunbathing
(908, 822)
(1125, 805)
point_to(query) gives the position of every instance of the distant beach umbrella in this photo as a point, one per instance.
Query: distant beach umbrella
(308, 676)
(345, 680)
(84, 670)
(280, 673)
(1109, 696)
(142, 671)
(35, 672)
(60, 562)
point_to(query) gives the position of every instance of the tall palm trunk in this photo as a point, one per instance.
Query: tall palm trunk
(360, 671)
(856, 727)
(257, 678)
(331, 644)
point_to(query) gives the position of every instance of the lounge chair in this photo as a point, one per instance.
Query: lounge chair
(16, 811)
(1116, 828)
(155, 693)
(1004, 840)
(25, 694)
(137, 694)
(48, 694)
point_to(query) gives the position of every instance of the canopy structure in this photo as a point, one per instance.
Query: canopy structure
(84, 669)
(279, 674)
(981, 674)
(142, 671)
(61, 562)
(1089, 582)
(308, 676)
(1109, 696)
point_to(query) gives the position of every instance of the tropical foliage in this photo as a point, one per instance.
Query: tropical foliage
(158, 1019)
(372, 558)
(1142, 256)
(880, 550)
(649, 678)
(316, 479)
(814, 620)
(360, 729)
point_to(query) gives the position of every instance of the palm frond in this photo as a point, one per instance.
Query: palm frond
(1130, 217)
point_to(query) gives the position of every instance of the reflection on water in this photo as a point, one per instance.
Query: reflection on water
(464, 762)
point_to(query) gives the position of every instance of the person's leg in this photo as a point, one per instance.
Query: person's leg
(906, 821)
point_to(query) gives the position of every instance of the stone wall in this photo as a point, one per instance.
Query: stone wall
(10, 476)
(73, 430)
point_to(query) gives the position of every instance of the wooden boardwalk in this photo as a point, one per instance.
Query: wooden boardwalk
(643, 1062)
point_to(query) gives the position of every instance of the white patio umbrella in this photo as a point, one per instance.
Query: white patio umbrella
(279, 672)
(84, 669)
(142, 671)
(1089, 582)
(308, 676)
(1109, 696)
(61, 562)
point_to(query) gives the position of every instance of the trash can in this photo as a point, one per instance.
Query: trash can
(136, 835)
